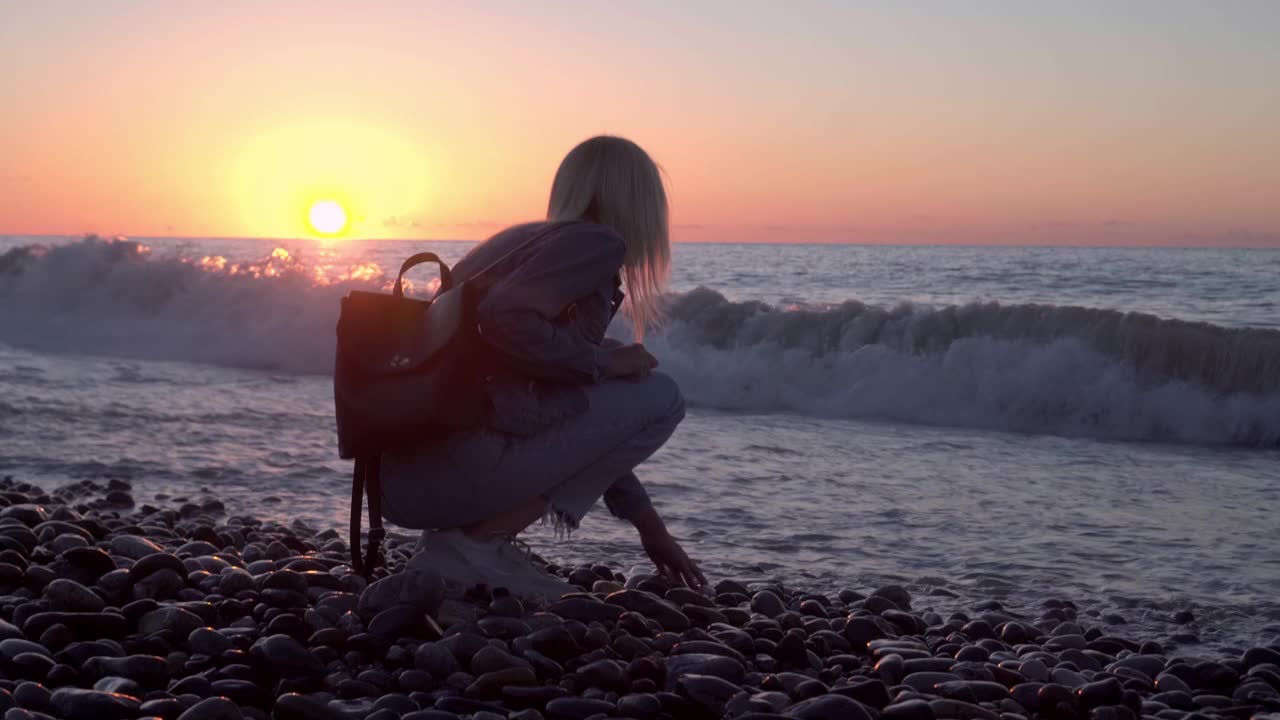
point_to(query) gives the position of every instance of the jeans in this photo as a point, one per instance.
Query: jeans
(475, 475)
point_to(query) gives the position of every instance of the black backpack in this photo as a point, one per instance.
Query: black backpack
(407, 370)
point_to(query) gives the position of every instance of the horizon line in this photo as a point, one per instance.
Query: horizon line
(1173, 245)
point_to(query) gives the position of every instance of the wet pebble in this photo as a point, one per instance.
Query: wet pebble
(188, 613)
(81, 704)
(286, 656)
(572, 708)
(829, 707)
(767, 603)
(725, 668)
(67, 595)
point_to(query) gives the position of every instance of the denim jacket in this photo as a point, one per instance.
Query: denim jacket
(544, 316)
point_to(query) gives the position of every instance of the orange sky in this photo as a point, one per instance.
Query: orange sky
(1152, 122)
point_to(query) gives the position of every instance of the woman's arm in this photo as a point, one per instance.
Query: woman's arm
(628, 500)
(517, 314)
(665, 551)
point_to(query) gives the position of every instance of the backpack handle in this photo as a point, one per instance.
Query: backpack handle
(446, 280)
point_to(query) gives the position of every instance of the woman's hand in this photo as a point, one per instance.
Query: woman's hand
(671, 560)
(629, 361)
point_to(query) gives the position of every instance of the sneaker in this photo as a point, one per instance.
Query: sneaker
(519, 562)
(504, 565)
(436, 571)
(443, 552)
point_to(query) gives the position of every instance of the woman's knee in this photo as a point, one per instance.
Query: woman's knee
(654, 399)
(664, 393)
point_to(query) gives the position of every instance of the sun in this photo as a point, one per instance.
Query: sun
(327, 217)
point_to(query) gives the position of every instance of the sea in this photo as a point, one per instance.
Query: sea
(978, 424)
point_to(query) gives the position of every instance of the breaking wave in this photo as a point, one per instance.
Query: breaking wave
(1024, 368)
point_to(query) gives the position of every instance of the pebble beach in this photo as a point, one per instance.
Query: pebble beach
(972, 309)
(112, 609)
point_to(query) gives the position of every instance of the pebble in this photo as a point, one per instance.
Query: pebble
(767, 603)
(924, 682)
(555, 642)
(402, 620)
(147, 670)
(176, 620)
(961, 710)
(213, 709)
(1149, 665)
(1066, 676)
(81, 624)
(292, 706)
(183, 613)
(585, 609)
(491, 659)
(79, 704)
(572, 708)
(32, 696)
(12, 647)
(287, 656)
(133, 547)
(234, 581)
(860, 631)
(725, 668)
(651, 606)
(490, 684)
(207, 641)
(830, 707)
(605, 674)
(639, 705)
(908, 710)
(67, 595)
(712, 694)
(436, 659)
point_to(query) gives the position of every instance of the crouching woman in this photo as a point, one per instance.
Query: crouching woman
(573, 414)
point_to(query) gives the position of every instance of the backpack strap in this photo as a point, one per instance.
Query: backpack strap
(446, 279)
(545, 231)
(373, 490)
(366, 480)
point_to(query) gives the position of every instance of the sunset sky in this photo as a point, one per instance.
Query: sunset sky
(1005, 122)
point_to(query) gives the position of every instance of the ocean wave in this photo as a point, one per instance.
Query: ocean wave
(1024, 368)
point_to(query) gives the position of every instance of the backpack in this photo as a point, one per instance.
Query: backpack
(407, 370)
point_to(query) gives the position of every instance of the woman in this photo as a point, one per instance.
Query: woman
(573, 413)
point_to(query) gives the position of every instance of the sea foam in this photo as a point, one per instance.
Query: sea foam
(1019, 367)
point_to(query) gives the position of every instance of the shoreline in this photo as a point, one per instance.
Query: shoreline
(113, 609)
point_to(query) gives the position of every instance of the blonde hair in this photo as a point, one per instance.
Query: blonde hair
(613, 181)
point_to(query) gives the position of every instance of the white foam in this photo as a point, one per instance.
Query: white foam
(1027, 368)
(1023, 368)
